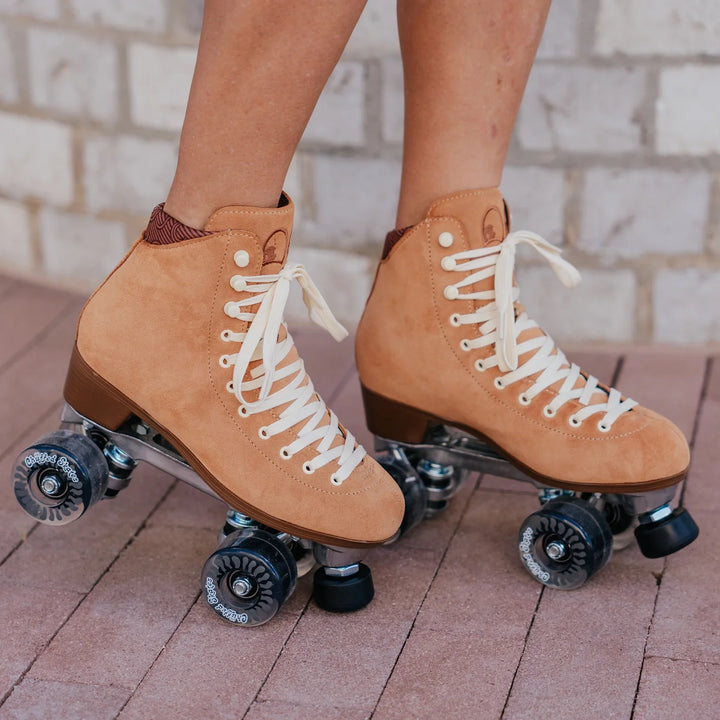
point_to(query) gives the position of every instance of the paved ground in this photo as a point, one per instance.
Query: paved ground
(102, 618)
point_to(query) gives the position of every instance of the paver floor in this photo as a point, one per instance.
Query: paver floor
(103, 618)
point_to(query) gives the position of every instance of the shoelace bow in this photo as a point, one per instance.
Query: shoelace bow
(261, 342)
(500, 327)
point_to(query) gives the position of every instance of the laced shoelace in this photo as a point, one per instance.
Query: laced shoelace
(270, 294)
(500, 327)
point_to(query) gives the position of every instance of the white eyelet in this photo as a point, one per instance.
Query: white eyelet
(451, 292)
(455, 320)
(448, 263)
(285, 454)
(230, 308)
(242, 258)
(230, 387)
(225, 361)
(498, 383)
(549, 412)
(446, 239)
(334, 480)
(225, 335)
(307, 468)
(602, 427)
(574, 422)
(243, 411)
(523, 399)
(237, 282)
(465, 345)
(263, 433)
(479, 366)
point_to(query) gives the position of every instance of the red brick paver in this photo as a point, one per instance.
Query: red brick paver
(101, 619)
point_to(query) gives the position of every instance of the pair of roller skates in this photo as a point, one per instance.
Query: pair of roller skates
(213, 392)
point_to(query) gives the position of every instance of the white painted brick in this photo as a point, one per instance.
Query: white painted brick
(561, 31)
(685, 304)
(375, 34)
(343, 278)
(338, 118)
(78, 247)
(15, 243)
(159, 84)
(536, 197)
(8, 79)
(35, 159)
(393, 103)
(582, 109)
(629, 213)
(73, 73)
(43, 9)
(355, 201)
(127, 173)
(658, 27)
(601, 307)
(687, 111)
(148, 15)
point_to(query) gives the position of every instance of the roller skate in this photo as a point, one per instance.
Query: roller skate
(182, 360)
(457, 378)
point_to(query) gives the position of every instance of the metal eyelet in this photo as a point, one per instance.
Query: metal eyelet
(455, 320)
(549, 412)
(242, 258)
(465, 345)
(263, 433)
(498, 383)
(523, 399)
(451, 292)
(285, 454)
(307, 468)
(480, 366)
(602, 427)
(446, 239)
(243, 411)
(335, 480)
(574, 422)
(448, 263)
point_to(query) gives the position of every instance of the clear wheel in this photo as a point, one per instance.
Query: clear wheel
(249, 577)
(60, 477)
(564, 543)
(413, 490)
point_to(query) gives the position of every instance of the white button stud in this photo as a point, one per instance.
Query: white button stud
(446, 239)
(242, 258)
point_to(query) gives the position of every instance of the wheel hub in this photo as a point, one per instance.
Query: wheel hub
(556, 550)
(243, 587)
(51, 485)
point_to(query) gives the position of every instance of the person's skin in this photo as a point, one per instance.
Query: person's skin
(466, 64)
(262, 66)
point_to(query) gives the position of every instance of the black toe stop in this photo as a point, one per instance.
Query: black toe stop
(343, 594)
(668, 535)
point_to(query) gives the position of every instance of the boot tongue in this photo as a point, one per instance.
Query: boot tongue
(272, 226)
(482, 213)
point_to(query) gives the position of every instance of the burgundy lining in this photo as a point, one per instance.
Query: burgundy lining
(391, 238)
(164, 229)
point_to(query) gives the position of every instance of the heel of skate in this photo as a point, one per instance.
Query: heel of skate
(388, 418)
(93, 397)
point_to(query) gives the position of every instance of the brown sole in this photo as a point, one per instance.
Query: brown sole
(394, 420)
(103, 404)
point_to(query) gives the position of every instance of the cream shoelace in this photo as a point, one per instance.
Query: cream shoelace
(260, 342)
(499, 327)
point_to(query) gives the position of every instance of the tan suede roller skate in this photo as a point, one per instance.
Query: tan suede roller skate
(455, 375)
(182, 360)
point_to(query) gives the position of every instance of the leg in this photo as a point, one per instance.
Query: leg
(260, 69)
(466, 64)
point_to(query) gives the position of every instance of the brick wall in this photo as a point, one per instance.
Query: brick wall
(615, 155)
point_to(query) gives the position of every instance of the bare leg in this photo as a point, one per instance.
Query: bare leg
(261, 67)
(466, 64)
